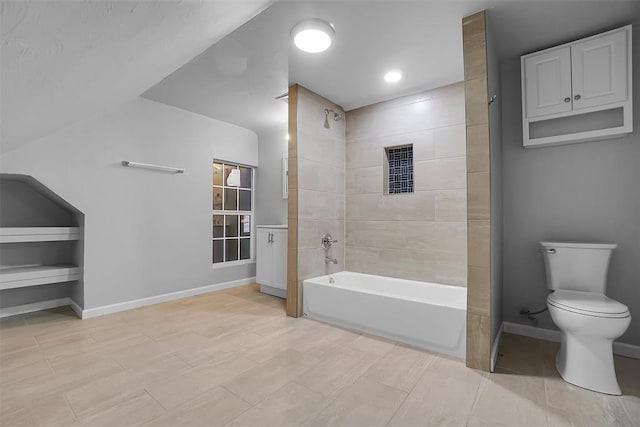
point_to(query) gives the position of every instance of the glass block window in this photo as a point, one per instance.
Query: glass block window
(232, 235)
(399, 169)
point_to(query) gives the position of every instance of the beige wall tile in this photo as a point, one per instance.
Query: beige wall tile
(362, 260)
(477, 107)
(292, 173)
(479, 243)
(478, 148)
(479, 291)
(363, 155)
(423, 145)
(369, 180)
(375, 234)
(308, 234)
(292, 234)
(292, 204)
(479, 194)
(442, 240)
(331, 179)
(378, 237)
(451, 272)
(307, 174)
(475, 56)
(474, 25)
(451, 205)
(448, 105)
(450, 141)
(440, 174)
(478, 342)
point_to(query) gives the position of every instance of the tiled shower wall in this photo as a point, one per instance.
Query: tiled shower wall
(316, 181)
(420, 235)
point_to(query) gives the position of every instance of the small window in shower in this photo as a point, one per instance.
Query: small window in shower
(399, 170)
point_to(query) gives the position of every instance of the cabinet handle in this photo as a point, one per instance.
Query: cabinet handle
(577, 97)
(567, 99)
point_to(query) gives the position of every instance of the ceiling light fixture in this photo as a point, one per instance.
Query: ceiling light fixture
(313, 35)
(393, 76)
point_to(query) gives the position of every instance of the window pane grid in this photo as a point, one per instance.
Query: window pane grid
(233, 211)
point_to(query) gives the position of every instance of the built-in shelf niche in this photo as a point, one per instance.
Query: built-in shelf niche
(41, 244)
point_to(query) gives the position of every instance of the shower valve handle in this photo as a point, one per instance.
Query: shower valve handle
(327, 241)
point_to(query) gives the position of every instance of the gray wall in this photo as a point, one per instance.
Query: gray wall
(271, 208)
(495, 150)
(587, 191)
(146, 233)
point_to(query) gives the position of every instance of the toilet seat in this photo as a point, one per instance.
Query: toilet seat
(588, 304)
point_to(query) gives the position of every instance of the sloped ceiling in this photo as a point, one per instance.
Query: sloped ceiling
(237, 79)
(63, 61)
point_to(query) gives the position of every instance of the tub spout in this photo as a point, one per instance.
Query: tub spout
(329, 260)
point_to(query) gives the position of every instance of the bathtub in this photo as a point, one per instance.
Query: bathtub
(422, 314)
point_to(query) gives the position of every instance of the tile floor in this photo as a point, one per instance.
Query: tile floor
(232, 358)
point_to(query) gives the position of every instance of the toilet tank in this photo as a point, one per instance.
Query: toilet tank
(577, 266)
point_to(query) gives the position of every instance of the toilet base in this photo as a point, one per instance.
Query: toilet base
(587, 362)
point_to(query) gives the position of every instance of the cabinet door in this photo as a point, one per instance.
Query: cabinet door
(279, 250)
(599, 68)
(547, 82)
(264, 258)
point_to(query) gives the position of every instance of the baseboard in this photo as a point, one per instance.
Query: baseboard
(621, 349)
(36, 306)
(128, 305)
(75, 307)
(495, 347)
(276, 292)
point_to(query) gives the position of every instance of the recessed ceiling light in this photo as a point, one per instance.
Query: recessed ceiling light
(313, 35)
(393, 76)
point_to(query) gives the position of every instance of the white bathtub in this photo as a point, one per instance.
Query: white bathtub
(422, 314)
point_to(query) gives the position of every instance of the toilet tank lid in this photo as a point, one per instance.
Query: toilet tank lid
(582, 245)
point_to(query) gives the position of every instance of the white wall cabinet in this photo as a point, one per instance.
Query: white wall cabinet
(579, 91)
(271, 259)
(548, 82)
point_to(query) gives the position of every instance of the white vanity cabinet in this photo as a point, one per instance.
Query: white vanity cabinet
(271, 259)
(579, 91)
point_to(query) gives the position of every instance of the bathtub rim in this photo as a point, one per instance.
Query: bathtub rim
(459, 289)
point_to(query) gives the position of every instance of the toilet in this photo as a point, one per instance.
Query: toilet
(588, 319)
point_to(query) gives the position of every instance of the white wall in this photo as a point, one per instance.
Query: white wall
(271, 208)
(146, 233)
(587, 191)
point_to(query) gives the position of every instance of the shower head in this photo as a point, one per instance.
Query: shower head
(336, 117)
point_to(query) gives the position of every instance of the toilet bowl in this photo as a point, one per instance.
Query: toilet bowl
(588, 320)
(585, 358)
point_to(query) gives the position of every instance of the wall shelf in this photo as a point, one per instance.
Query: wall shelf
(38, 234)
(41, 244)
(33, 275)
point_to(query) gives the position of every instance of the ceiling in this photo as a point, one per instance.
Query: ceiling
(63, 61)
(238, 79)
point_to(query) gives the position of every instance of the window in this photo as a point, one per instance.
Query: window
(399, 170)
(232, 212)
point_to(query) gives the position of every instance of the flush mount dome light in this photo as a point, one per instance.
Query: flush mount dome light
(393, 76)
(313, 35)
